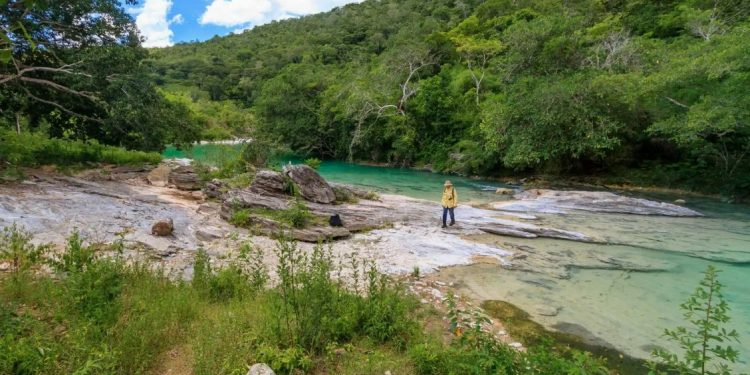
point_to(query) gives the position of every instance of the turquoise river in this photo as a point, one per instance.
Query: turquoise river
(626, 310)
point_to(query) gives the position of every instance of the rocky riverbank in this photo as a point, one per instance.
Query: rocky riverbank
(399, 234)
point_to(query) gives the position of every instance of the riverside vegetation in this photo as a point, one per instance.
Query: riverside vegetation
(636, 92)
(631, 91)
(87, 310)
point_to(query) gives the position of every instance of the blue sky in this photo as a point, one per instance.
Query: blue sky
(165, 22)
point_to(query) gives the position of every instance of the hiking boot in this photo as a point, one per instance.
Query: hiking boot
(453, 223)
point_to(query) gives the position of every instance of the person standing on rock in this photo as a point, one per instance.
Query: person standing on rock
(449, 202)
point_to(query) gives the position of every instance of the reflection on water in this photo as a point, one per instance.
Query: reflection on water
(627, 309)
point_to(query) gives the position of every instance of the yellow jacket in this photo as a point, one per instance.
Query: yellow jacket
(450, 197)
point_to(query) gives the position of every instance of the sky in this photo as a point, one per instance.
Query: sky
(166, 22)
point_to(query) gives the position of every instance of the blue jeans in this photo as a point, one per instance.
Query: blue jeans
(446, 210)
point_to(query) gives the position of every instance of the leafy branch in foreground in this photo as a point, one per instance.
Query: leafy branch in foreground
(706, 341)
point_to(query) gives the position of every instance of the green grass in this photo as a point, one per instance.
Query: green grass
(297, 216)
(35, 149)
(94, 313)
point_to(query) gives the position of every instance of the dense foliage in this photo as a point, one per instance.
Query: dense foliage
(490, 87)
(72, 69)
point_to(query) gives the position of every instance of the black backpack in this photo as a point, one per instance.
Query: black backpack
(335, 221)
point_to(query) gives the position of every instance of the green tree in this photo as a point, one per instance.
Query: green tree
(75, 67)
(476, 86)
(477, 45)
(579, 121)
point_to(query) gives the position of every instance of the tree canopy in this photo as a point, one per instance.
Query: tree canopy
(73, 68)
(476, 87)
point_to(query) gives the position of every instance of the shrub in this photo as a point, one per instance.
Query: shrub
(20, 351)
(344, 195)
(290, 188)
(254, 263)
(260, 153)
(16, 248)
(222, 162)
(385, 310)
(313, 163)
(298, 216)
(244, 275)
(76, 257)
(201, 270)
(102, 315)
(228, 282)
(312, 309)
(240, 181)
(93, 284)
(240, 218)
(286, 361)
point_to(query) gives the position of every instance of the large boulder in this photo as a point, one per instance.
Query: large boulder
(184, 178)
(268, 183)
(312, 187)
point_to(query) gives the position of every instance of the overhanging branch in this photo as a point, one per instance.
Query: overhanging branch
(62, 108)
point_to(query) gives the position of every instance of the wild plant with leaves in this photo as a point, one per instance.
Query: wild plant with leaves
(16, 249)
(706, 342)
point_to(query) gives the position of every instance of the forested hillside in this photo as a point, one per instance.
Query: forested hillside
(491, 87)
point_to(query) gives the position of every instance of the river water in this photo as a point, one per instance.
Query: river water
(626, 310)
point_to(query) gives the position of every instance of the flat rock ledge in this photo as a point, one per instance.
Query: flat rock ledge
(270, 228)
(560, 202)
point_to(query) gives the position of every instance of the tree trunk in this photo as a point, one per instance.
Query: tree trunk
(18, 123)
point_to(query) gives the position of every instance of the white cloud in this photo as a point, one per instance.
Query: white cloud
(230, 13)
(178, 19)
(248, 13)
(151, 19)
